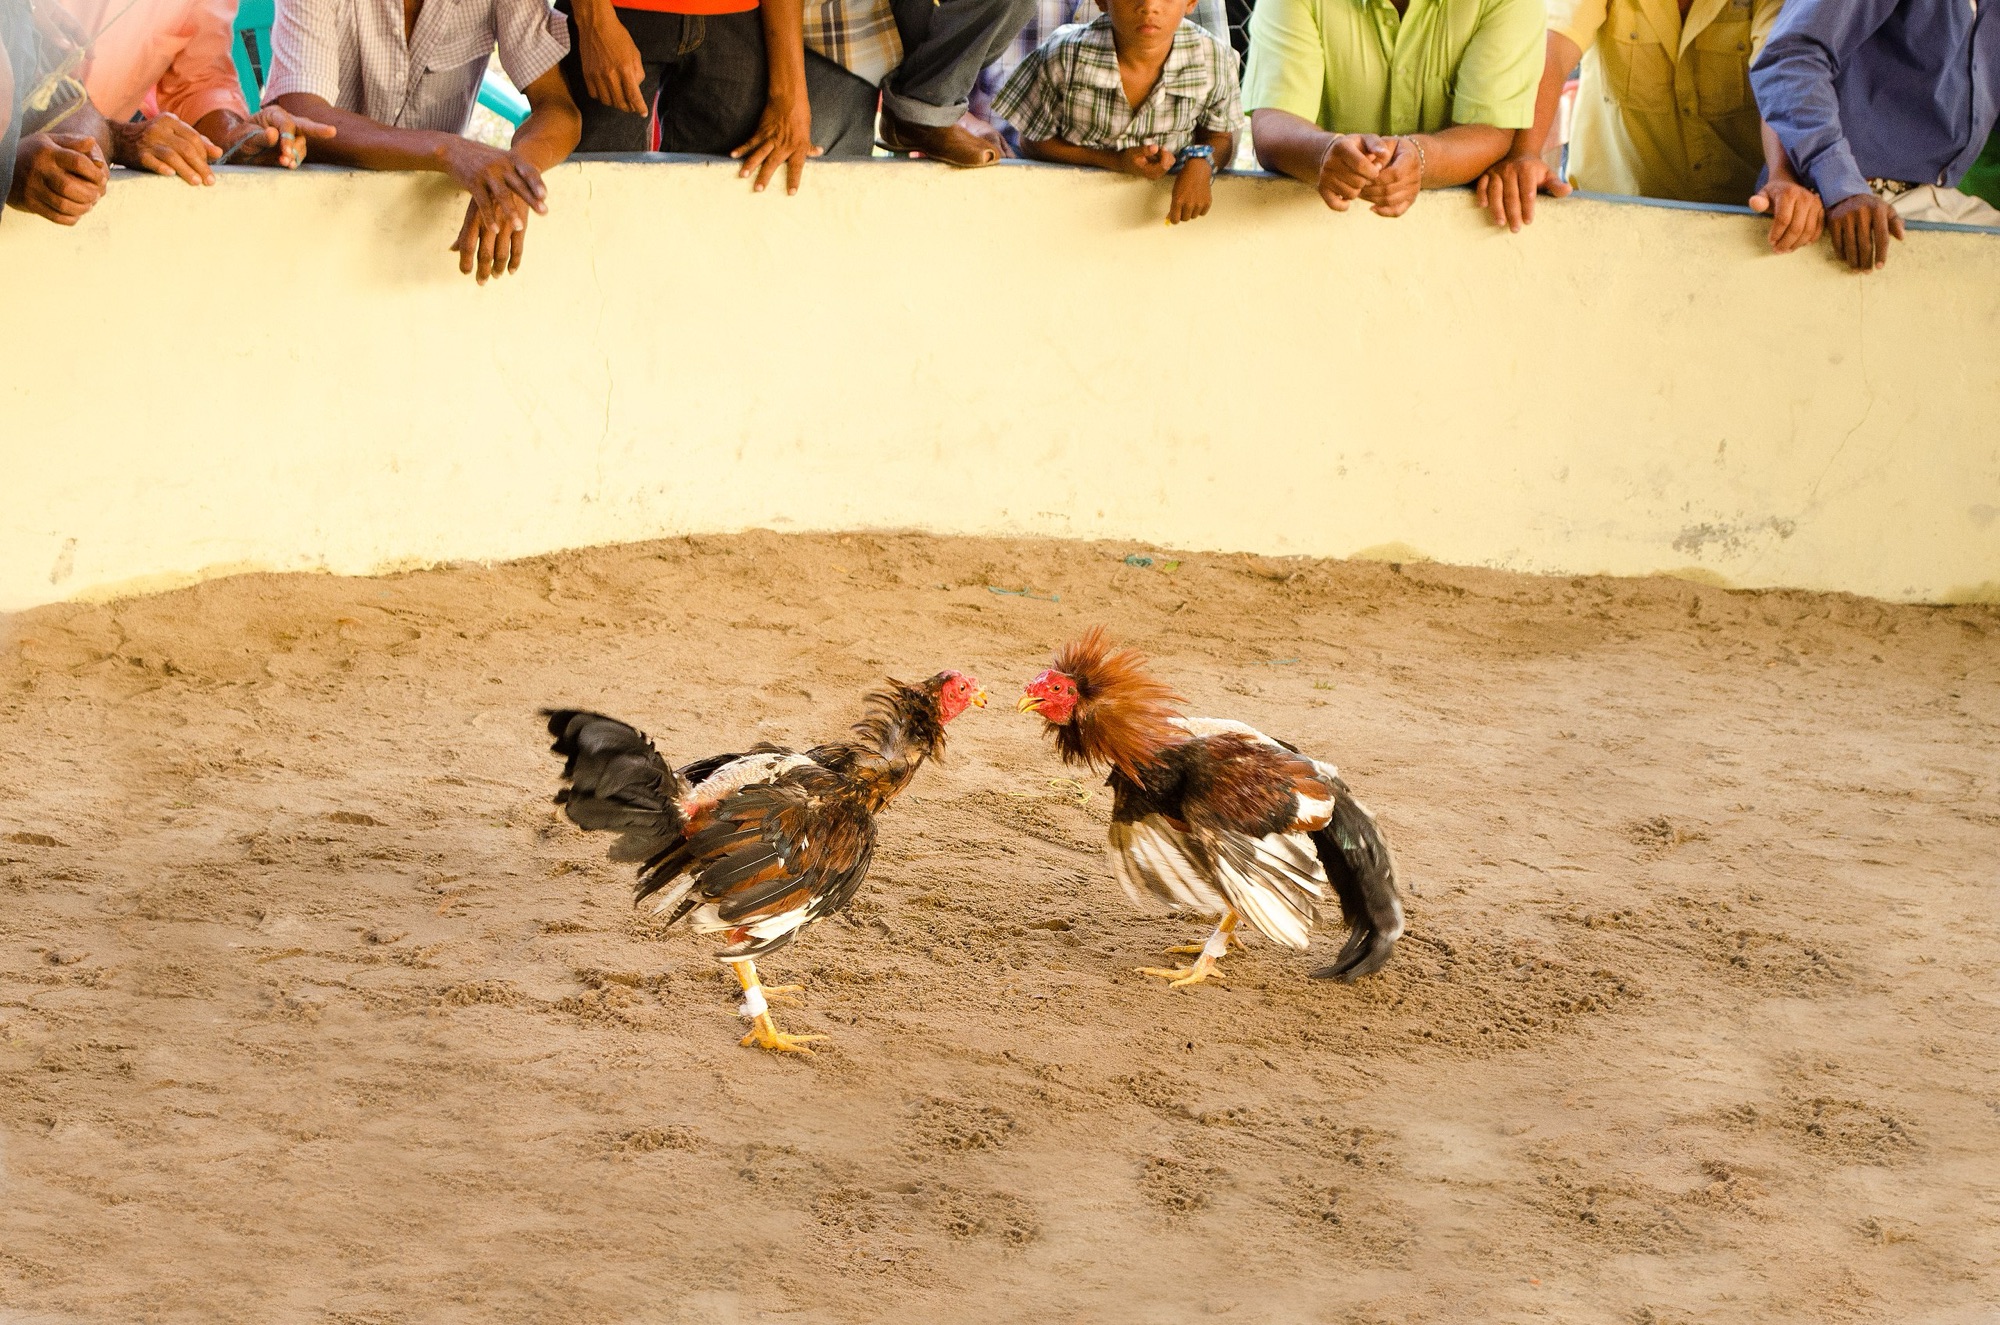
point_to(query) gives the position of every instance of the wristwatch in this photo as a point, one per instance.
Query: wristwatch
(1199, 152)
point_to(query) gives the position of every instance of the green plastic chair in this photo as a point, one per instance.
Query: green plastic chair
(253, 64)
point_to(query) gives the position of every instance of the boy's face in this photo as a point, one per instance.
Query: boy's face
(1147, 20)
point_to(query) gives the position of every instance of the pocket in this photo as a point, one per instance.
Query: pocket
(1722, 68)
(454, 53)
(1639, 69)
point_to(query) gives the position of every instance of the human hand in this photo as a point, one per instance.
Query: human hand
(492, 247)
(1191, 192)
(493, 178)
(165, 145)
(1351, 163)
(283, 140)
(1860, 226)
(1400, 180)
(1509, 186)
(1148, 161)
(613, 73)
(1796, 214)
(59, 176)
(783, 137)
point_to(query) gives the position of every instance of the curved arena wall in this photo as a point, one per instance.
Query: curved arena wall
(287, 372)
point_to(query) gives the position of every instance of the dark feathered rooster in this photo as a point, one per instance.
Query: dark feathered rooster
(754, 846)
(1214, 817)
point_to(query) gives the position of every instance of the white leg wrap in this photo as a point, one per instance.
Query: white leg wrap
(1217, 946)
(753, 1004)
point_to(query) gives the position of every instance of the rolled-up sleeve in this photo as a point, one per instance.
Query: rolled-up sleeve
(532, 37)
(1793, 81)
(1502, 66)
(1578, 20)
(202, 79)
(1287, 68)
(307, 47)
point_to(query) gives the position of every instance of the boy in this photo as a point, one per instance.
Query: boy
(1139, 90)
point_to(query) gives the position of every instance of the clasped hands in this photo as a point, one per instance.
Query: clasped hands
(1385, 172)
(505, 186)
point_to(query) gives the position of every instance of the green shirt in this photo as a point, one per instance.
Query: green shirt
(1353, 66)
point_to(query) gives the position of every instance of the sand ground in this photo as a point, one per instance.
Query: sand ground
(312, 1010)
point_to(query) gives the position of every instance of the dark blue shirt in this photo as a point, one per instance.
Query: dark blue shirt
(1880, 89)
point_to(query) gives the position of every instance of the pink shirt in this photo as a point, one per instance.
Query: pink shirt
(182, 46)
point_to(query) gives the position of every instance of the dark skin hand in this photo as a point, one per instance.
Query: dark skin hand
(1148, 161)
(1509, 186)
(784, 132)
(165, 145)
(505, 186)
(284, 137)
(1861, 227)
(60, 175)
(1191, 191)
(1795, 210)
(1386, 172)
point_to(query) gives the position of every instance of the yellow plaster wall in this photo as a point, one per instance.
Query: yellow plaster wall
(287, 372)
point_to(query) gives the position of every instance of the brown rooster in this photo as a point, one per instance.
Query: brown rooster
(758, 845)
(1214, 817)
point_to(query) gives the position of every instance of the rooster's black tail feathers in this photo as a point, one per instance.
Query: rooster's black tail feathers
(617, 783)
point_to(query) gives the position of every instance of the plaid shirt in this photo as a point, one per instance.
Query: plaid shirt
(351, 54)
(1070, 89)
(858, 35)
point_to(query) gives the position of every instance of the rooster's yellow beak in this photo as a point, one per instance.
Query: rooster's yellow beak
(979, 699)
(1028, 704)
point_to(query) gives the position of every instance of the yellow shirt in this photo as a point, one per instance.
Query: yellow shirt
(1664, 109)
(1355, 66)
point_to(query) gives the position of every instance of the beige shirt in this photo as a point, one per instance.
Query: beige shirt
(1664, 109)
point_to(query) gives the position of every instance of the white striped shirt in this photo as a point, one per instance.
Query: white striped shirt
(352, 54)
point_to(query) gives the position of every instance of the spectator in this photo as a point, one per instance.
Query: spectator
(398, 82)
(1140, 90)
(1377, 99)
(179, 53)
(54, 147)
(1661, 112)
(920, 59)
(727, 76)
(1883, 105)
(1048, 16)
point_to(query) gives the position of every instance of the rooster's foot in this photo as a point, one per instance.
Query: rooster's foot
(1180, 977)
(764, 1035)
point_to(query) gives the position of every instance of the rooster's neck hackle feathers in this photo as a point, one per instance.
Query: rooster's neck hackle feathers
(1124, 716)
(900, 728)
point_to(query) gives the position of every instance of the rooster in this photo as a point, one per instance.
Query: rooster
(759, 845)
(1214, 817)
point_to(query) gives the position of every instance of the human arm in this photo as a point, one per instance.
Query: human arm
(1793, 79)
(784, 133)
(1508, 188)
(1796, 212)
(1192, 194)
(613, 72)
(1147, 161)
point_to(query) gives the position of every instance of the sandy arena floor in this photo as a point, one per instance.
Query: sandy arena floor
(312, 1010)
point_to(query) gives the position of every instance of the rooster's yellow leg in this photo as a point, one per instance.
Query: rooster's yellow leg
(763, 1034)
(1204, 968)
